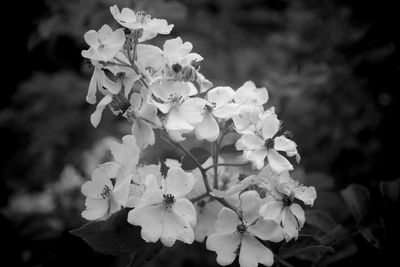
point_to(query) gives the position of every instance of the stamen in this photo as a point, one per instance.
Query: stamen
(106, 193)
(269, 143)
(241, 228)
(169, 200)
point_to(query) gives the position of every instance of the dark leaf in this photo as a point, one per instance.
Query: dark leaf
(374, 232)
(358, 200)
(144, 254)
(199, 153)
(390, 190)
(320, 220)
(114, 236)
(304, 245)
(369, 224)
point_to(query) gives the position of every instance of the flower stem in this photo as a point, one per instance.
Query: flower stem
(227, 164)
(166, 137)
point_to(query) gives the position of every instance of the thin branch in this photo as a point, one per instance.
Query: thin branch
(227, 164)
(166, 137)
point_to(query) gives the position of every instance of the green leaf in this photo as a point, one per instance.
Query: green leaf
(358, 200)
(144, 254)
(199, 153)
(305, 244)
(114, 236)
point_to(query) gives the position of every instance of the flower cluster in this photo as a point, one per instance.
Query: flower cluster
(162, 90)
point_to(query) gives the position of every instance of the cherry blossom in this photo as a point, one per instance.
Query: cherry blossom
(237, 236)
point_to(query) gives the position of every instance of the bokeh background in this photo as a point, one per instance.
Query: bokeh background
(332, 70)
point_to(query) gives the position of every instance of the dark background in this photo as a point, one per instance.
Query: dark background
(331, 67)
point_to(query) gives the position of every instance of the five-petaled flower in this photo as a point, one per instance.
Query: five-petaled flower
(103, 198)
(104, 44)
(263, 144)
(237, 236)
(280, 205)
(163, 212)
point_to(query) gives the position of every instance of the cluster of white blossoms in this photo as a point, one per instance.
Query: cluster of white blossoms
(162, 90)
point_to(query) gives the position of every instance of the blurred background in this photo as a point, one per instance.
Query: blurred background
(332, 70)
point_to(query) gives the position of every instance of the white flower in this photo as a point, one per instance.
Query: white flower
(246, 117)
(182, 112)
(141, 20)
(96, 82)
(102, 197)
(248, 94)
(95, 118)
(163, 212)
(219, 105)
(234, 235)
(177, 52)
(104, 44)
(261, 144)
(280, 205)
(249, 102)
(122, 78)
(143, 116)
(127, 153)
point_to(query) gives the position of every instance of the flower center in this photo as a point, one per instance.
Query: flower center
(241, 228)
(208, 108)
(106, 193)
(142, 16)
(288, 200)
(120, 75)
(169, 200)
(176, 100)
(130, 114)
(269, 143)
(176, 67)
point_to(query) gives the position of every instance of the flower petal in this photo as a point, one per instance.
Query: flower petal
(127, 153)
(186, 210)
(298, 211)
(286, 145)
(227, 221)
(143, 132)
(96, 116)
(269, 124)
(277, 162)
(257, 157)
(290, 224)
(250, 203)
(150, 219)
(307, 194)
(176, 227)
(95, 208)
(248, 94)
(272, 210)
(178, 183)
(220, 95)
(225, 245)
(253, 252)
(208, 128)
(266, 230)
